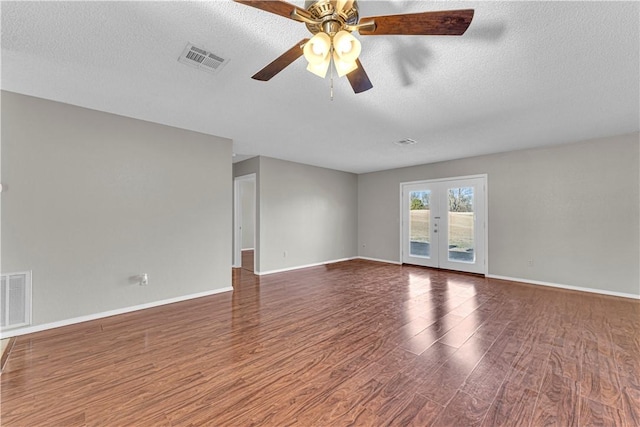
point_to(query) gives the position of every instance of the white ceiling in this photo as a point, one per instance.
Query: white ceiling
(525, 74)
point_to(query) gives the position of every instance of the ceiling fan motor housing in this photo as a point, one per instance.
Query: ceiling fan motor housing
(330, 20)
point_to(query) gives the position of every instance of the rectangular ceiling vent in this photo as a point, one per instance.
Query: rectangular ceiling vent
(202, 59)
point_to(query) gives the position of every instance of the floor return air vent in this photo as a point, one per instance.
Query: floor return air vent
(15, 297)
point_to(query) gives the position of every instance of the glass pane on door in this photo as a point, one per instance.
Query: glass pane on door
(461, 225)
(419, 223)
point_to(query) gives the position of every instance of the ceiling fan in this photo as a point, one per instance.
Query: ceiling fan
(332, 21)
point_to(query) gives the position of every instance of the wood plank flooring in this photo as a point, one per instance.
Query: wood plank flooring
(5, 349)
(352, 343)
(247, 259)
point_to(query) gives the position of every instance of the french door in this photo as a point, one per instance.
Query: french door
(443, 224)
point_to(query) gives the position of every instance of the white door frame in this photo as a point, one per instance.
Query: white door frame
(485, 212)
(237, 220)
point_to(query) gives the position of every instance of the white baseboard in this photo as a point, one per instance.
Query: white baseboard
(298, 267)
(379, 260)
(247, 249)
(67, 322)
(568, 287)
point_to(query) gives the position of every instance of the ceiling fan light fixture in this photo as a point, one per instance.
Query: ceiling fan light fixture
(343, 67)
(316, 51)
(346, 46)
(320, 69)
(321, 48)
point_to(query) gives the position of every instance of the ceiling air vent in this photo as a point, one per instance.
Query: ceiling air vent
(406, 141)
(202, 59)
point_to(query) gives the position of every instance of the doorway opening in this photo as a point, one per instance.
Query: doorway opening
(244, 196)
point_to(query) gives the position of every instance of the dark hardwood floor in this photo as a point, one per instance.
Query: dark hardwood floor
(352, 343)
(247, 259)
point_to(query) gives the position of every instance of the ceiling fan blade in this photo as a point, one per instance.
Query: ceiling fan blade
(279, 7)
(441, 23)
(358, 79)
(281, 62)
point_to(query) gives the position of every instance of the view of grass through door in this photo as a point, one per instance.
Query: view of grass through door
(420, 221)
(461, 220)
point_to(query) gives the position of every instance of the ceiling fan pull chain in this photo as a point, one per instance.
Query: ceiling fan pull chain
(331, 71)
(331, 90)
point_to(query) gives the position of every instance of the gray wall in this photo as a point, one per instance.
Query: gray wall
(573, 209)
(96, 198)
(306, 211)
(247, 198)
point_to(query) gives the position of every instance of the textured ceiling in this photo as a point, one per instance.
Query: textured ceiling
(525, 74)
